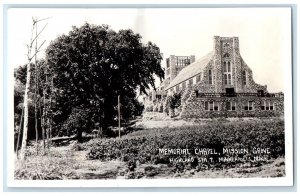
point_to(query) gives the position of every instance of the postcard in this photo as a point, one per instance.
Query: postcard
(149, 97)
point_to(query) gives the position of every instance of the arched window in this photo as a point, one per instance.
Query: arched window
(209, 77)
(225, 79)
(226, 55)
(229, 79)
(244, 78)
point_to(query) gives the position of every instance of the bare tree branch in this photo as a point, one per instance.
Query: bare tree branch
(38, 34)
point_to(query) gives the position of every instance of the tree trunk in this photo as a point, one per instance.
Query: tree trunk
(25, 129)
(43, 122)
(35, 95)
(19, 133)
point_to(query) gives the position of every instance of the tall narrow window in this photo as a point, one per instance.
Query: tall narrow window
(206, 105)
(177, 88)
(198, 78)
(250, 105)
(224, 67)
(209, 77)
(197, 93)
(190, 82)
(227, 73)
(244, 78)
(183, 85)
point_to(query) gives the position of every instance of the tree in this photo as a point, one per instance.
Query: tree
(93, 64)
(20, 75)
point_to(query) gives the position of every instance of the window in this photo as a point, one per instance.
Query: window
(197, 93)
(224, 67)
(267, 105)
(211, 106)
(183, 85)
(177, 88)
(209, 77)
(190, 82)
(198, 78)
(226, 55)
(244, 78)
(229, 68)
(227, 73)
(229, 79)
(249, 105)
(226, 44)
(230, 106)
(182, 61)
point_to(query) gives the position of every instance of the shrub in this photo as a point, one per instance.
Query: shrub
(143, 146)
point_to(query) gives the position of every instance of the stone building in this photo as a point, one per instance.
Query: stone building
(220, 84)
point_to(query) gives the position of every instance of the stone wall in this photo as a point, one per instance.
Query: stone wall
(194, 107)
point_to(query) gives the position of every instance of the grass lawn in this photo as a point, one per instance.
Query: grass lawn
(72, 162)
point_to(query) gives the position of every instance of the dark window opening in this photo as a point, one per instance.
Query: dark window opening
(228, 105)
(209, 77)
(230, 92)
(260, 93)
(206, 105)
(197, 93)
(226, 55)
(244, 77)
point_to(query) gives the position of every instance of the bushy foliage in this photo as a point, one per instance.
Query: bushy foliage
(175, 100)
(143, 147)
(93, 65)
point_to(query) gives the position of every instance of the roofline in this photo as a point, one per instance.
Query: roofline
(182, 81)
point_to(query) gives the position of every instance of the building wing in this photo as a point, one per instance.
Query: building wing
(191, 71)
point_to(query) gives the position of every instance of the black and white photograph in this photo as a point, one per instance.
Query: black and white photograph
(150, 96)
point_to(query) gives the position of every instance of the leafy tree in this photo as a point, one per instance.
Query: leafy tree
(93, 64)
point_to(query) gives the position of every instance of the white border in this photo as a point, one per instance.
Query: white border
(205, 182)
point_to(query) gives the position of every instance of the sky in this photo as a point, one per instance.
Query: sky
(264, 33)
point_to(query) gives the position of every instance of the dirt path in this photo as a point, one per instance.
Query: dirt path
(95, 169)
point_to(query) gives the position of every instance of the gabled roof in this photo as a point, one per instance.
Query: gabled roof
(191, 70)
